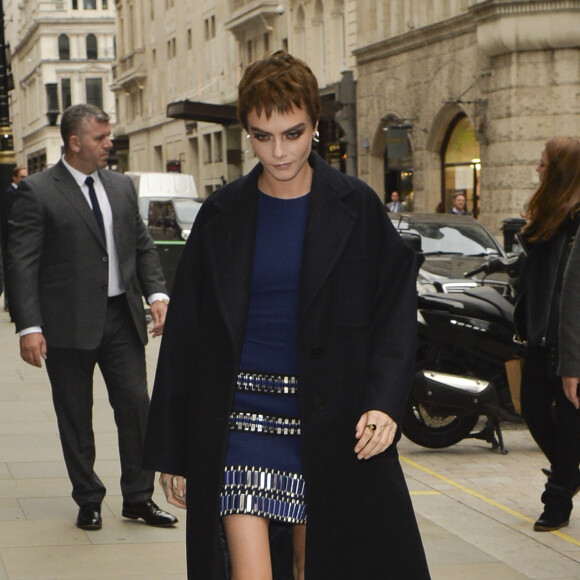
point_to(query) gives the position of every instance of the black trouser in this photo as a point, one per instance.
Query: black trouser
(121, 359)
(552, 420)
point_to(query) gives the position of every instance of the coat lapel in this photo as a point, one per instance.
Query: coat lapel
(116, 202)
(68, 187)
(330, 223)
(230, 245)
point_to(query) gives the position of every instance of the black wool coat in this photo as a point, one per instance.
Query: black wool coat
(356, 352)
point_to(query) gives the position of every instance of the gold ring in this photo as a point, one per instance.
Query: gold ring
(372, 426)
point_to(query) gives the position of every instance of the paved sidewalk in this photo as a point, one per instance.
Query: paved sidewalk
(475, 507)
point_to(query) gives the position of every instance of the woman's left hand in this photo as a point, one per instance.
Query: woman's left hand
(374, 441)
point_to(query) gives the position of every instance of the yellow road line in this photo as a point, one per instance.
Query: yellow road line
(484, 498)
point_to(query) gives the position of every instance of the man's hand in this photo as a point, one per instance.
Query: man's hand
(570, 385)
(174, 489)
(33, 348)
(158, 312)
(375, 432)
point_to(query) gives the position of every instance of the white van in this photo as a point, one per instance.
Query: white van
(161, 186)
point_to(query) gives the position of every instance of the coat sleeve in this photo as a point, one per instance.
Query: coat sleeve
(394, 325)
(569, 328)
(26, 232)
(166, 436)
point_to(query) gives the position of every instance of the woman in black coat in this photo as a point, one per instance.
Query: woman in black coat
(286, 360)
(553, 219)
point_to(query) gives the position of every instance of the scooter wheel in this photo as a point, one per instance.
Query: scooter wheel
(435, 429)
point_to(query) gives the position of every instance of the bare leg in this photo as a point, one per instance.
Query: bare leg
(249, 547)
(299, 546)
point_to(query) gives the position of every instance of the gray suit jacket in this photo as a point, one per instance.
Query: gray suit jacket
(569, 339)
(58, 261)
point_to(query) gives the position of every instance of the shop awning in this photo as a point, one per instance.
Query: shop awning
(207, 112)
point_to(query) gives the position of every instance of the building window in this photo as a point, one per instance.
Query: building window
(218, 147)
(207, 156)
(460, 160)
(65, 94)
(75, 5)
(209, 26)
(91, 42)
(189, 39)
(105, 4)
(63, 47)
(90, 4)
(36, 161)
(94, 90)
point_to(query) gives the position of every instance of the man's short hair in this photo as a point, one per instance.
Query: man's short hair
(17, 170)
(278, 83)
(73, 118)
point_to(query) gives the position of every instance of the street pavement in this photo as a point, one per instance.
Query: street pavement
(475, 507)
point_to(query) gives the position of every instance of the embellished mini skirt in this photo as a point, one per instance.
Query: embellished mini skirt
(263, 470)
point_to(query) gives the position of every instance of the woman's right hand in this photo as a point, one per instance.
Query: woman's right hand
(174, 489)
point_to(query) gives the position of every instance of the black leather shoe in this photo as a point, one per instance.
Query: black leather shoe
(89, 517)
(148, 511)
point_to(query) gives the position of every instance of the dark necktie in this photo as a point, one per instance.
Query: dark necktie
(96, 207)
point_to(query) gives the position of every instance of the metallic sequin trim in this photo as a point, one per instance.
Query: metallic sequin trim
(276, 495)
(258, 423)
(270, 384)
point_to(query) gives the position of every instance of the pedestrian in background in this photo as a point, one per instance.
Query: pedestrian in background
(6, 203)
(553, 217)
(79, 261)
(459, 201)
(395, 204)
(287, 359)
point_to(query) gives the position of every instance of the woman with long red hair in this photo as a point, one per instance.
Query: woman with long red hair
(553, 217)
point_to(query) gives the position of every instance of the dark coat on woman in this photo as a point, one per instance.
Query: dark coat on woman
(356, 351)
(570, 316)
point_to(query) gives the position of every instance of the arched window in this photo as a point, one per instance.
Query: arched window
(320, 47)
(338, 39)
(300, 33)
(92, 52)
(63, 47)
(461, 164)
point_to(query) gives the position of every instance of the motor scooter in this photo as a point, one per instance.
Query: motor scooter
(467, 353)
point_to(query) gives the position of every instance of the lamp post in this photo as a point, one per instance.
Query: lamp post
(6, 140)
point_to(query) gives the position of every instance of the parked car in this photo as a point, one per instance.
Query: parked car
(171, 219)
(452, 245)
(151, 185)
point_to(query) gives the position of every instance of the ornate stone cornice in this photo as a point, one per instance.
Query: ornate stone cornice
(505, 26)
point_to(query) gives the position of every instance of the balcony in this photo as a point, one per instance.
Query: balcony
(130, 70)
(248, 13)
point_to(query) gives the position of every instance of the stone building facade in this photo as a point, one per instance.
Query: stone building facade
(464, 94)
(61, 54)
(178, 66)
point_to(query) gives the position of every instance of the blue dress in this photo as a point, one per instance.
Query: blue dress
(263, 472)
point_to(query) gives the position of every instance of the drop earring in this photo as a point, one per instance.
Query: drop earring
(316, 137)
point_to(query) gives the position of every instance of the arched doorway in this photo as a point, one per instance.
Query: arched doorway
(460, 165)
(398, 164)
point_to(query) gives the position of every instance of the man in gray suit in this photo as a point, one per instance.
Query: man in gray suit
(80, 260)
